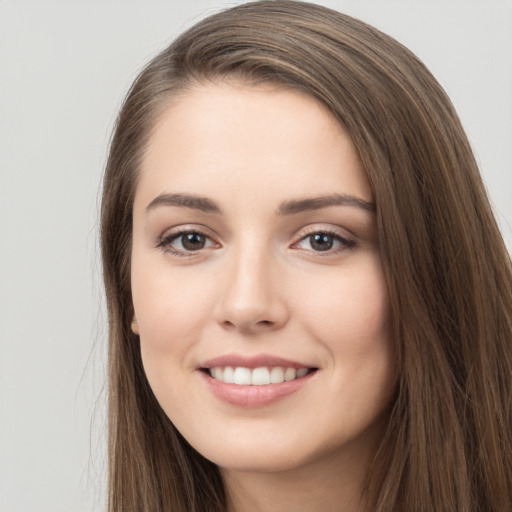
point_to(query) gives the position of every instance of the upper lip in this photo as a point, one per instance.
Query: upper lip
(256, 361)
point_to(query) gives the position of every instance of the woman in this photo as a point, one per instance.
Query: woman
(309, 298)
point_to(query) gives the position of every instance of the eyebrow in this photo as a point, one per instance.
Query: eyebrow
(290, 207)
(295, 206)
(187, 200)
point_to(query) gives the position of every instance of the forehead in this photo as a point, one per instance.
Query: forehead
(231, 138)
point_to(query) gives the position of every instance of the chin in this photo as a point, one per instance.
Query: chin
(260, 461)
(273, 454)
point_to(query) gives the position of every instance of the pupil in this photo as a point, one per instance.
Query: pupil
(321, 242)
(193, 241)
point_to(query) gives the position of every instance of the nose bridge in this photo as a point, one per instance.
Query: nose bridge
(251, 299)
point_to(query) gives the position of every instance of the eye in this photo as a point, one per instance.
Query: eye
(192, 241)
(183, 243)
(324, 241)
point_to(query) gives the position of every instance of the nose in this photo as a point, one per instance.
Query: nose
(252, 300)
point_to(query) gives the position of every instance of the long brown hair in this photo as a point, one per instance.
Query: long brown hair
(447, 269)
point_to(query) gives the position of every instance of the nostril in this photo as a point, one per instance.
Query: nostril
(245, 316)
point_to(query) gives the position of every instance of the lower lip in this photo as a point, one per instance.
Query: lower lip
(254, 396)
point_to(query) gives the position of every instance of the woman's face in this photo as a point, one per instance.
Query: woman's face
(258, 289)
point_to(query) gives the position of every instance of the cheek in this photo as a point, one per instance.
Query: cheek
(350, 316)
(351, 305)
(170, 321)
(171, 309)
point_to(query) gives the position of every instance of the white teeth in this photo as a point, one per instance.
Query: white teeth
(217, 373)
(276, 375)
(242, 376)
(301, 372)
(290, 374)
(261, 376)
(229, 375)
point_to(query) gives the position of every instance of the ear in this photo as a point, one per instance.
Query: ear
(135, 325)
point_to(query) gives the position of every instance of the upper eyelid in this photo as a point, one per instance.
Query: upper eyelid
(341, 238)
(176, 231)
(332, 230)
(347, 241)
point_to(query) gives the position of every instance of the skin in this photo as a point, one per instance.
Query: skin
(260, 286)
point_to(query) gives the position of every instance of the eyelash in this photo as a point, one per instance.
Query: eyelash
(345, 243)
(165, 242)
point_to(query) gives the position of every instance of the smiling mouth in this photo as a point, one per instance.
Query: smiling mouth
(262, 376)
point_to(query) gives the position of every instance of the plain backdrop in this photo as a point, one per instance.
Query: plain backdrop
(64, 69)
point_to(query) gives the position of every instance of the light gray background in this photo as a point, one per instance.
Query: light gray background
(64, 69)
